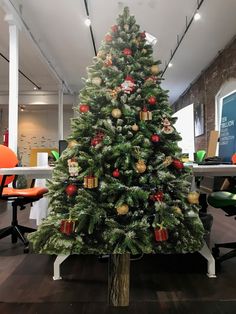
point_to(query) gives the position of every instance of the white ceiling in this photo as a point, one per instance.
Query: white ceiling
(58, 28)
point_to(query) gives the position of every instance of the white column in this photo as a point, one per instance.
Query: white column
(60, 114)
(13, 82)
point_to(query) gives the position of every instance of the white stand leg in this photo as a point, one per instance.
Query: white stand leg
(205, 252)
(58, 261)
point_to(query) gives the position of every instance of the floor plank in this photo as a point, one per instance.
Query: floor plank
(159, 283)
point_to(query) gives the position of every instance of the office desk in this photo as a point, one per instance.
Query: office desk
(39, 209)
(214, 170)
(32, 172)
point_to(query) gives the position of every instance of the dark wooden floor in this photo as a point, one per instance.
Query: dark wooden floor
(159, 284)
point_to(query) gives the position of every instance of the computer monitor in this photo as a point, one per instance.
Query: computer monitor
(62, 146)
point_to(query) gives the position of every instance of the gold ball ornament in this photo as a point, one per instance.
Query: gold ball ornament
(154, 69)
(72, 143)
(193, 197)
(101, 54)
(116, 113)
(135, 127)
(177, 210)
(123, 209)
(168, 161)
(140, 166)
(97, 80)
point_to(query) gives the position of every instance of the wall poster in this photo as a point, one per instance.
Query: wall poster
(227, 143)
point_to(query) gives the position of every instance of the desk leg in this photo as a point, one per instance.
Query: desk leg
(58, 261)
(205, 252)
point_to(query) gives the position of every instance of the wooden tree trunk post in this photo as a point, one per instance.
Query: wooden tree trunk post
(118, 279)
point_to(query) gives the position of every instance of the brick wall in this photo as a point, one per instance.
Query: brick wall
(206, 87)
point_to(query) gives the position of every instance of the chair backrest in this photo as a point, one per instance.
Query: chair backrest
(8, 159)
(55, 154)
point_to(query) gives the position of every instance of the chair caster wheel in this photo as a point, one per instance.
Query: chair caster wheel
(215, 252)
(26, 250)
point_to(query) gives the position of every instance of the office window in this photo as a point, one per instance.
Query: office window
(185, 126)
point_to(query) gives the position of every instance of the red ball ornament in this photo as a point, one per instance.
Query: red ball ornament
(127, 52)
(71, 189)
(116, 173)
(177, 164)
(155, 138)
(114, 28)
(152, 100)
(108, 38)
(84, 108)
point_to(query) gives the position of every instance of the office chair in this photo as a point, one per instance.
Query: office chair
(226, 200)
(18, 197)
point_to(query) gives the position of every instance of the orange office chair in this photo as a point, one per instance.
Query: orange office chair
(19, 197)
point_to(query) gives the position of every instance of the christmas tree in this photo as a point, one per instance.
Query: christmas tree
(120, 186)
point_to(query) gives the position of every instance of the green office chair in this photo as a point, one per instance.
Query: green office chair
(55, 154)
(226, 200)
(200, 155)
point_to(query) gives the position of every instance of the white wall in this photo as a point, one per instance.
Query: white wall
(38, 127)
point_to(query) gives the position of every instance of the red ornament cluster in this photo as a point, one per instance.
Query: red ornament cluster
(157, 197)
(84, 108)
(97, 139)
(127, 52)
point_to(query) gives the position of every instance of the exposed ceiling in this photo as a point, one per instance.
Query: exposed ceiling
(59, 30)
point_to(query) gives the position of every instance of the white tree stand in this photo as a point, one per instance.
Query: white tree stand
(205, 252)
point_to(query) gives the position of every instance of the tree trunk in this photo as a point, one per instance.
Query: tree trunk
(118, 279)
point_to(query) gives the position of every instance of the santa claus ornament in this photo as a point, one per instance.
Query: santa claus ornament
(128, 85)
(73, 167)
(167, 128)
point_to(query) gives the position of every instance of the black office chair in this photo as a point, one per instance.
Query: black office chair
(226, 200)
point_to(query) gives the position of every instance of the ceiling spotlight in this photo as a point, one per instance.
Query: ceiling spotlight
(87, 22)
(170, 65)
(35, 88)
(197, 16)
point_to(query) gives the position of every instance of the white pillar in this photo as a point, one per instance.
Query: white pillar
(60, 114)
(13, 82)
